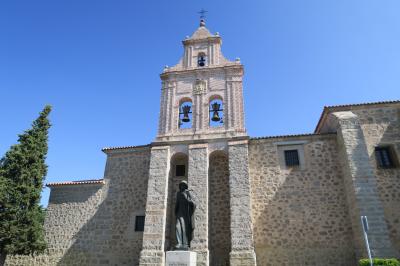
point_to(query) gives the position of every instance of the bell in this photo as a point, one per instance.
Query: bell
(215, 107)
(185, 118)
(215, 117)
(185, 111)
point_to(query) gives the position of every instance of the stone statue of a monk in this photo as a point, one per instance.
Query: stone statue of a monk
(184, 210)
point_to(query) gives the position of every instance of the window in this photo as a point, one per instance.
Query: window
(384, 157)
(180, 170)
(292, 158)
(139, 224)
(201, 60)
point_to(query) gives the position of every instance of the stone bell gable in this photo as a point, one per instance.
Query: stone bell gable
(201, 76)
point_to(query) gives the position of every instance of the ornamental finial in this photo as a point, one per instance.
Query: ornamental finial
(202, 13)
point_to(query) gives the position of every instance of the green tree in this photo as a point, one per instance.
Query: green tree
(22, 172)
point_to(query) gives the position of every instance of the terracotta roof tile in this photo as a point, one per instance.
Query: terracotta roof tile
(124, 147)
(290, 136)
(78, 182)
(347, 106)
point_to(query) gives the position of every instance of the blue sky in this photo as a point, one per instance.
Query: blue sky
(97, 63)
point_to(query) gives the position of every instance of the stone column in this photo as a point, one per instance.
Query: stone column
(156, 207)
(198, 182)
(242, 252)
(361, 188)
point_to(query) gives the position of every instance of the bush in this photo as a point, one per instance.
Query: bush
(380, 262)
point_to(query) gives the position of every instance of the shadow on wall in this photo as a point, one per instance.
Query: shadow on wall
(109, 237)
(300, 217)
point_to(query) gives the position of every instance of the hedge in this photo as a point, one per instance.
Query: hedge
(380, 262)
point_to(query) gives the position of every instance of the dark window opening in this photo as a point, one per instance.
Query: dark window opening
(139, 224)
(292, 158)
(180, 170)
(384, 157)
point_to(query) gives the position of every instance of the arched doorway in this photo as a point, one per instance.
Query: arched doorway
(178, 172)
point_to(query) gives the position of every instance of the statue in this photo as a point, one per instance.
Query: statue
(184, 210)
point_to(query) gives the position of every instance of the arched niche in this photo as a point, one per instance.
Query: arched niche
(178, 172)
(185, 117)
(201, 59)
(219, 208)
(216, 111)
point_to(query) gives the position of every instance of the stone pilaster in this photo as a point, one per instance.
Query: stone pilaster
(154, 230)
(242, 252)
(361, 188)
(198, 182)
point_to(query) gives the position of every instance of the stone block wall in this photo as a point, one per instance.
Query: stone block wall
(300, 216)
(94, 224)
(70, 208)
(381, 127)
(219, 235)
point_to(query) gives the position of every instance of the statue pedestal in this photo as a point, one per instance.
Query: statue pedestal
(180, 258)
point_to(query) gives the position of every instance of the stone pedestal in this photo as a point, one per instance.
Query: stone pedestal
(180, 258)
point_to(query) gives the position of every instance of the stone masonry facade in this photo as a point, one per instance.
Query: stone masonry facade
(268, 201)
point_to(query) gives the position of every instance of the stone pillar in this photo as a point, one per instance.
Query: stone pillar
(242, 252)
(198, 182)
(361, 188)
(156, 208)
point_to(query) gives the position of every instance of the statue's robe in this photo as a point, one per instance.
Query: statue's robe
(184, 209)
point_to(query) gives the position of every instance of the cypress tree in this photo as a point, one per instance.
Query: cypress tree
(22, 172)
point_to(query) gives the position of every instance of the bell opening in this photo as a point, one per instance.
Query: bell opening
(185, 115)
(216, 113)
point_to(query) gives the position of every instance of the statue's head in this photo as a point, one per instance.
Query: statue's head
(183, 185)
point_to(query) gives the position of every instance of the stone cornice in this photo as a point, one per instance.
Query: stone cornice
(227, 68)
(211, 39)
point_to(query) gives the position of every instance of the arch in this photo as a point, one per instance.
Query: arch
(219, 208)
(216, 111)
(177, 159)
(185, 113)
(201, 59)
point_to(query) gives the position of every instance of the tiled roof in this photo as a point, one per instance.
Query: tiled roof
(361, 104)
(348, 106)
(290, 136)
(124, 147)
(79, 182)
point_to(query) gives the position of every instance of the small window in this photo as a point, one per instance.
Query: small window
(180, 170)
(292, 158)
(384, 157)
(139, 224)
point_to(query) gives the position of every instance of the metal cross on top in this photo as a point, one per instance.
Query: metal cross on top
(202, 13)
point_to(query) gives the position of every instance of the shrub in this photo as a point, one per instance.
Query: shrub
(380, 262)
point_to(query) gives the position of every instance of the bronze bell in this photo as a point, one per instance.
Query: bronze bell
(215, 107)
(185, 110)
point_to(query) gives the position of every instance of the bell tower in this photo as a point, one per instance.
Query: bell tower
(201, 96)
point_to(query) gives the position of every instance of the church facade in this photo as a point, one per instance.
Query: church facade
(280, 200)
